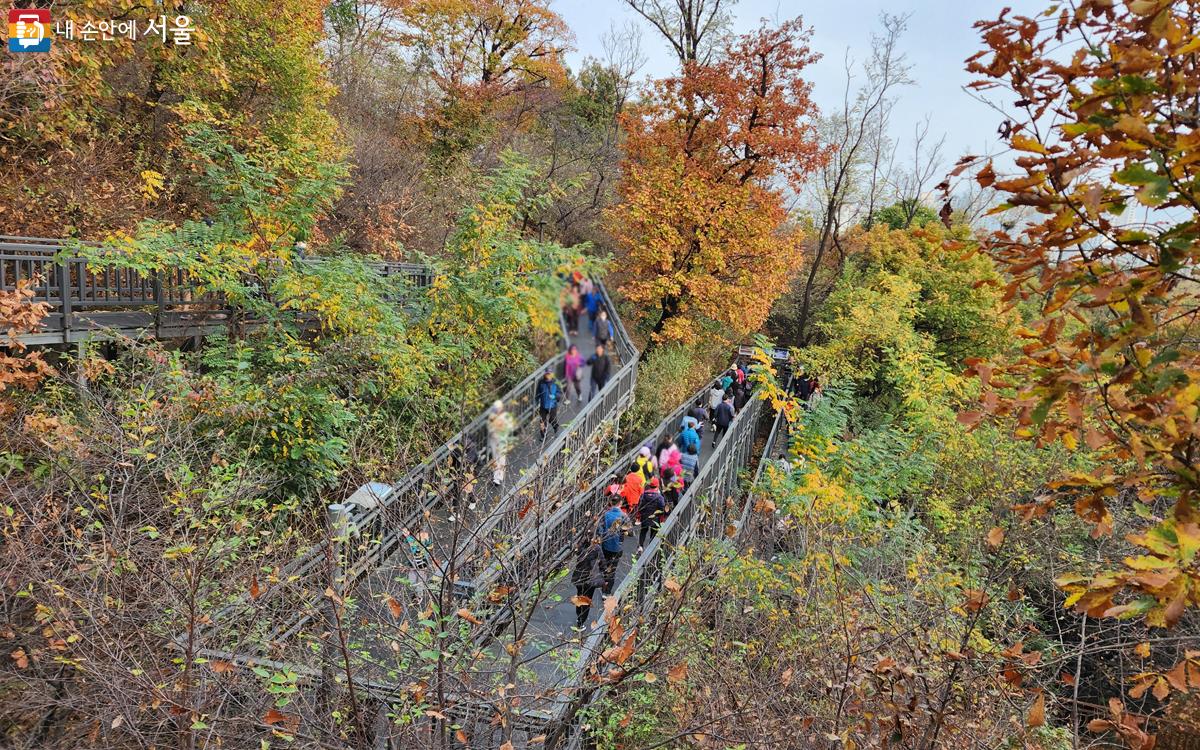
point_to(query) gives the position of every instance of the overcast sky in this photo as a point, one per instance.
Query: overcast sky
(938, 40)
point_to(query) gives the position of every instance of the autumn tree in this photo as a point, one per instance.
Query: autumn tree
(849, 184)
(1106, 152)
(701, 223)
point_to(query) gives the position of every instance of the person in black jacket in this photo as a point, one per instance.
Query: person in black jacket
(601, 369)
(723, 418)
(700, 414)
(651, 510)
(587, 576)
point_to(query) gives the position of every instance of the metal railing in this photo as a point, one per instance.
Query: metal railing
(368, 539)
(545, 542)
(706, 502)
(86, 297)
(559, 465)
(778, 434)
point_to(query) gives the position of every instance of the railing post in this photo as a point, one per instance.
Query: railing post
(156, 281)
(64, 292)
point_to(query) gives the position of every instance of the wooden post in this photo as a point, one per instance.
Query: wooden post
(64, 291)
(156, 280)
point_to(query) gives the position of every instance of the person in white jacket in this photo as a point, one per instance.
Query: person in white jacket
(499, 427)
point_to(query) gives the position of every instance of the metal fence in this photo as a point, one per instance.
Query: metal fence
(558, 468)
(86, 298)
(705, 502)
(776, 441)
(545, 542)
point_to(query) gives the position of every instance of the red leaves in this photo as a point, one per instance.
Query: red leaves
(1105, 365)
(702, 220)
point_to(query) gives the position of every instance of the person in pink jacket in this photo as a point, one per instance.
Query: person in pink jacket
(573, 370)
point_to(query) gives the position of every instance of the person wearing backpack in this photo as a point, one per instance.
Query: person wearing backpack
(588, 575)
(689, 438)
(651, 510)
(723, 418)
(645, 463)
(548, 394)
(690, 461)
(601, 370)
(604, 328)
(591, 303)
(614, 526)
(716, 395)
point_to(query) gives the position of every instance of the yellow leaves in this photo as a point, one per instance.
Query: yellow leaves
(1027, 143)
(152, 184)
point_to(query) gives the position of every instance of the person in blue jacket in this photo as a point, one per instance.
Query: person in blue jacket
(614, 526)
(548, 394)
(687, 437)
(591, 303)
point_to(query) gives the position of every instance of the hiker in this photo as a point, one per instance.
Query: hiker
(672, 460)
(690, 462)
(668, 453)
(688, 437)
(587, 576)
(591, 303)
(700, 414)
(660, 450)
(572, 308)
(817, 394)
(716, 394)
(645, 463)
(723, 418)
(726, 381)
(741, 394)
(614, 525)
(573, 371)
(499, 427)
(601, 369)
(548, 394)
(604, 328)
(632, 488)
(802, 387)
(652, 509)
(673, 485)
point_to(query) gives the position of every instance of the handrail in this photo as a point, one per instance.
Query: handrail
(768, 451)
(718, 475)
(559, 462)
(556, 534)
(86, 297)
(378, 530)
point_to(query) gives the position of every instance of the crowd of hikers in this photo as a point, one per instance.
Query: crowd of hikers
(653, 488)
(580, 297)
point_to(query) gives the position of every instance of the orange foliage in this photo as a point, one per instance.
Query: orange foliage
(18, 315)
(702, 222)
(1108, 156)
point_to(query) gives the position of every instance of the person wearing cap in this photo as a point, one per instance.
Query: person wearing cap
(499, 428)
(614, 525)
(645, 463)
(651, 509)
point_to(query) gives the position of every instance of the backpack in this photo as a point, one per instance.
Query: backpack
(610, 531)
